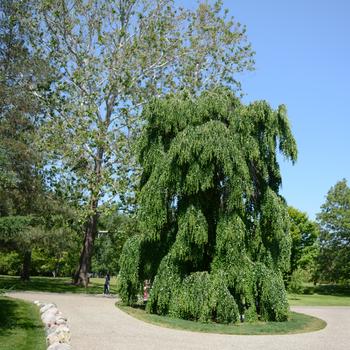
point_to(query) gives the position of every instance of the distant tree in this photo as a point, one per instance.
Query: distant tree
(20, 115)
(334, 221)
(112, 57)
(51, 234)
(114, 230)
(16, 235)
(10, 263)
(22, 189)
(215, 230)
(304, 233)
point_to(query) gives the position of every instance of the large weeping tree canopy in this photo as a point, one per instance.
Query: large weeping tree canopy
(215, 236)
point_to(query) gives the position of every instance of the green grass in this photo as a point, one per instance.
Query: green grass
(318, 300)
(55, 285)
(297, 323)
(20, 326)
(321, 295)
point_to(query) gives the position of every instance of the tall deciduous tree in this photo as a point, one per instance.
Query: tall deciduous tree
(304, 233)
(215, 230)
(334, 221)
(21, 183)
(20, 114)
(112, 56)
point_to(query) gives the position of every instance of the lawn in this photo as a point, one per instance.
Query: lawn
(297, 323)
(55, 285)
(20, 326)
(318, 300)
(321, 295)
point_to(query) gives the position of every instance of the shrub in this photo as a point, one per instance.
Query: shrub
(297, 279)
(271, 295)
(10, 263)
(129, 285)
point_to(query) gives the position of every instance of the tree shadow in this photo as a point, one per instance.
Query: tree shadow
(49, 284)
(328, 289)
(7, 316)
(13, 316)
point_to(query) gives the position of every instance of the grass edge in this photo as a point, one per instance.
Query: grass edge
(315, 324)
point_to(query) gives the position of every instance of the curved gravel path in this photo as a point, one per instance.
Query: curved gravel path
(96, 324)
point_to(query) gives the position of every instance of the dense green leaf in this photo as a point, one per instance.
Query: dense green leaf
(209, 205)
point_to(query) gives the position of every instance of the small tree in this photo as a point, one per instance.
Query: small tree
(334, 221)
(215, 230)
(304, 233)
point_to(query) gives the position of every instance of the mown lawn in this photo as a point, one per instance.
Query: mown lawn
(297, 323)
(318, 300)
(20, 326)
(321, 295)
(55, 285)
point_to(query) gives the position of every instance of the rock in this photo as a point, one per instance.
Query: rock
(64, 333)
(49, 317)
(61, 334)
(59, 346)
(58, 334)
(61, 321)
(52, 329)
(52, 310)
(52, 339)
(46, 307)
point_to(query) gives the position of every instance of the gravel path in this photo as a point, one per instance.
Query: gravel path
(96, 324)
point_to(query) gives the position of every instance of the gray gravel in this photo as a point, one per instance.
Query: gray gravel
(97, 325)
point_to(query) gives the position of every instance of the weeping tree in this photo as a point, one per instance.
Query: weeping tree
(215, 236)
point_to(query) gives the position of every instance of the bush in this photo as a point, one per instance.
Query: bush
(165, 287)
(202, 297)
(272, 296)
(128, 282)
(297, 279)
(10, 264)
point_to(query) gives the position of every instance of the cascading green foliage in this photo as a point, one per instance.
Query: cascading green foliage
(215, 227)
(130, 261)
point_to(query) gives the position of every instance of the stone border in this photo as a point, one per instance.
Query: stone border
(58, 334)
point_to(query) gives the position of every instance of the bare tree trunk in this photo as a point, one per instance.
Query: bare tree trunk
(81, 275)
(27, 259)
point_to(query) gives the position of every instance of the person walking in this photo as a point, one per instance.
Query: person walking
(106, 286)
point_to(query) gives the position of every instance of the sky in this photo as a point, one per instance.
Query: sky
(303, 61)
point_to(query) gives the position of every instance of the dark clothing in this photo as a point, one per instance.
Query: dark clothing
(106, 286)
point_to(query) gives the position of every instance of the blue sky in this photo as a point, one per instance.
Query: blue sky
(303, 61)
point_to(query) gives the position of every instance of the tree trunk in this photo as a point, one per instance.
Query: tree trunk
(81, 276)
(27, 259)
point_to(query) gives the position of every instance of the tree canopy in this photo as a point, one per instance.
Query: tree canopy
(334, 221)
(22, 187)
(111, 57)
(21, 183)
(215, 236)
(304, 233)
